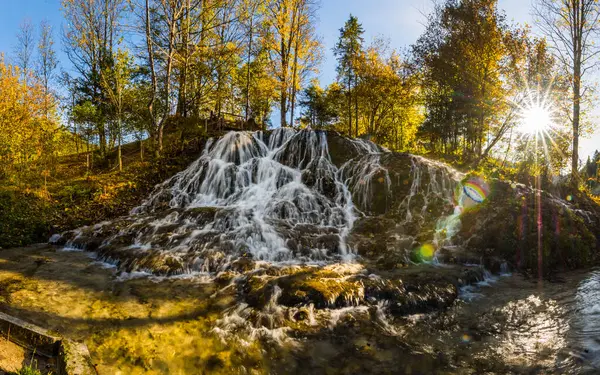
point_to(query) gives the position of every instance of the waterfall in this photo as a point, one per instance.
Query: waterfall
(271, 196)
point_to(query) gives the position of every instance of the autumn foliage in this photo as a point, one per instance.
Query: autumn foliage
(29, 131)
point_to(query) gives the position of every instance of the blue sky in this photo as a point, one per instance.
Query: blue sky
(400, 21)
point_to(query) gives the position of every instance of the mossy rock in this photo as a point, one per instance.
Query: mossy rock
(507, 223)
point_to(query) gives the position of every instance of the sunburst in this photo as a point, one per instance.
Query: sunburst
(536, 116)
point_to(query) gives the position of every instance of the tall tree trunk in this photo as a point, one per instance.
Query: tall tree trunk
(169, 69)
(251, 34)
(355, 112)
(183, 78)
(293, 91)
(149, 46)
(76, 140)
(576, 119)
(350, 105)
(120, 156)
(102, 135)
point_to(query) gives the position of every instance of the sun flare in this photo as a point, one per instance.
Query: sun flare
(536, 117)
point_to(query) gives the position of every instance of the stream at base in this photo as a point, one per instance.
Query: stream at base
(513, 325)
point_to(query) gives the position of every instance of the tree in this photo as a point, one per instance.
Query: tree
(92, 30)
(164, 14)
(319, 106)
(307, 53)
(461, 57)
(571, 26)
(347, 51)
(47, 61)
(115, 82)
(27, 138)
(86, 115)
(252, 18)
(261, 87)
(289, 37)
(25, 47)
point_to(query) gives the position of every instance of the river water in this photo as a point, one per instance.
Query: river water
(510, 325)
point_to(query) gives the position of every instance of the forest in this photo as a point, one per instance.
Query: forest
(141, 67)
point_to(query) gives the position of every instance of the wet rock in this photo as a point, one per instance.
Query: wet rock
(130, 260)
(406, 293)
(58, 240)
(341, 149)
(411, 296)
(242, 265)
(308, 178)
(201, 215)
(320, 290)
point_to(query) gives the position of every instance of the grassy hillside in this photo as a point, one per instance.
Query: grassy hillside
(30, 212)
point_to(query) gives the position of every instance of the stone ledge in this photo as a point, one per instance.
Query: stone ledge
(73, 358)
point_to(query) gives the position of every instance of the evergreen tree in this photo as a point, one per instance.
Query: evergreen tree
(348, 51)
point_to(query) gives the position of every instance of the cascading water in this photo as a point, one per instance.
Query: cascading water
(282, 198)
(259, 188)
(274, 197)
(270, 197)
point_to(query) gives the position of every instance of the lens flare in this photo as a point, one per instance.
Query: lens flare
(476, 189)
(472, 192)
(426, 252)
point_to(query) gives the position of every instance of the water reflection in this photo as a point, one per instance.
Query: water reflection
(515, 326)
(519, 326)
(585, 324)
(534, 331)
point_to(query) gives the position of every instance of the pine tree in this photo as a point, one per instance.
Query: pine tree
(347, 51)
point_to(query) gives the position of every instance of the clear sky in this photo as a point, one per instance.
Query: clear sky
(400, 21)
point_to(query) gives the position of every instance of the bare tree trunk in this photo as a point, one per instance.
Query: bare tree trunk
(168, 73)
(293, 93)
(160, 138)
(120, 157)
(149, 46)
(284, 77)
(251, 32)
(76, 139)
(356, 114)
(576, 119)
(119, 154)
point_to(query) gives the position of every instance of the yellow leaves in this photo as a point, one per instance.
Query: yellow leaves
(24, 129)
